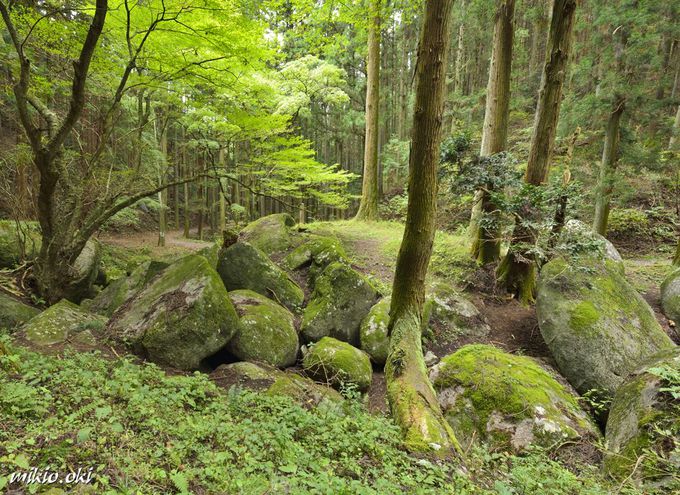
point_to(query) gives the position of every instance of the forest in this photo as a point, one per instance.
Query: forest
(340, 247)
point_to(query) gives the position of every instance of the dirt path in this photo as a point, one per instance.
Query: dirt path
(174, 241)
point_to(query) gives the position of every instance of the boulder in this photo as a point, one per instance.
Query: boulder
(270, 234)
(453, 316)
(338, 364)
(181, 317)
(670, 296)
(373, 332)
(266, 331)
(319, 250)
(211, 253)
(84, 271)
(507, 401)
(122, 289)
(595, 323)
(63, 323)
(578, 238)
(13, 312)
(642, 438)
(242, 266)
(262, 378)
(341, 299)
(18, 242)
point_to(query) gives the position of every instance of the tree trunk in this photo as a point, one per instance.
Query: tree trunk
(518, 268)
(605, 184)
(460, 53)
(675, 131)
(163, 195)
(368, 208)
(412, 399)
(486, 246)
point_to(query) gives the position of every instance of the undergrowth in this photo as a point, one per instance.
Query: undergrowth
(144, 432)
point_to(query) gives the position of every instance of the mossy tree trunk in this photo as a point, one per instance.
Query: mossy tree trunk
(518, 269)
(605, 184)
(486, 246)
(412, 399)
(368, 207)
(676, 258)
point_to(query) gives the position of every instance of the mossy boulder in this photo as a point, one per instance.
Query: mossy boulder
(122, 289)
(63, 323)
(507, 401)
(341, 299)
(595, 323)
(373, 332)
(212, 253)
(242, 266)
(266, 331)
(18, 242)
(338, 364)
(452, 316)
(319, 250)
(263, 378)
(579, 238)
(13, 312)
(670, 296)
(181, 317)
(642, 437)
(270, 234)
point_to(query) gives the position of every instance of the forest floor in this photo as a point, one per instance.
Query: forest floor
(373, 249)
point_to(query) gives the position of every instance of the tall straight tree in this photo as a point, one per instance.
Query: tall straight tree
(483, 224)
(610, 150)
(518, 268)
(412, 399)
(368, 207)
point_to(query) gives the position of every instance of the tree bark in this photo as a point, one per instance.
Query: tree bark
(368, 207)
(412, 399)
(518, 268)
(605, 184)
(675, 131)
(486, 246)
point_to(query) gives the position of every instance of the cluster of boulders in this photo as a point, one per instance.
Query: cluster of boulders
(274, 297)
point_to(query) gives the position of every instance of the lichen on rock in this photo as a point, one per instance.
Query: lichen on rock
(342, 297)
(338, 364)
(13, 312)
(374, 332)
(62, 323)
(270, 234)
(181, 317)
(242, 266)
(507, 401)
(595, 323)
(266, 331)
(642, 437)
(670, 296)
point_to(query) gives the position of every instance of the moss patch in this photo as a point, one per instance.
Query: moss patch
(338, 364)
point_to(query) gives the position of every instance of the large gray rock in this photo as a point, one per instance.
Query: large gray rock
(645, 418)
(63, 323)
(262, 378)
(374, 332)
(338, 364)
(670, 296)
(595, 323)
(507, 401)
(270, 234)
(181, 317)
(84, 272)
(13, 312)
(266, 331)
(242, 266)
(319, 250)
(454, 317)
(579, 238)
(122, 289)
(342, 297)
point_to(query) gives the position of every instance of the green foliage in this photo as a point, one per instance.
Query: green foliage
(145, 432)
